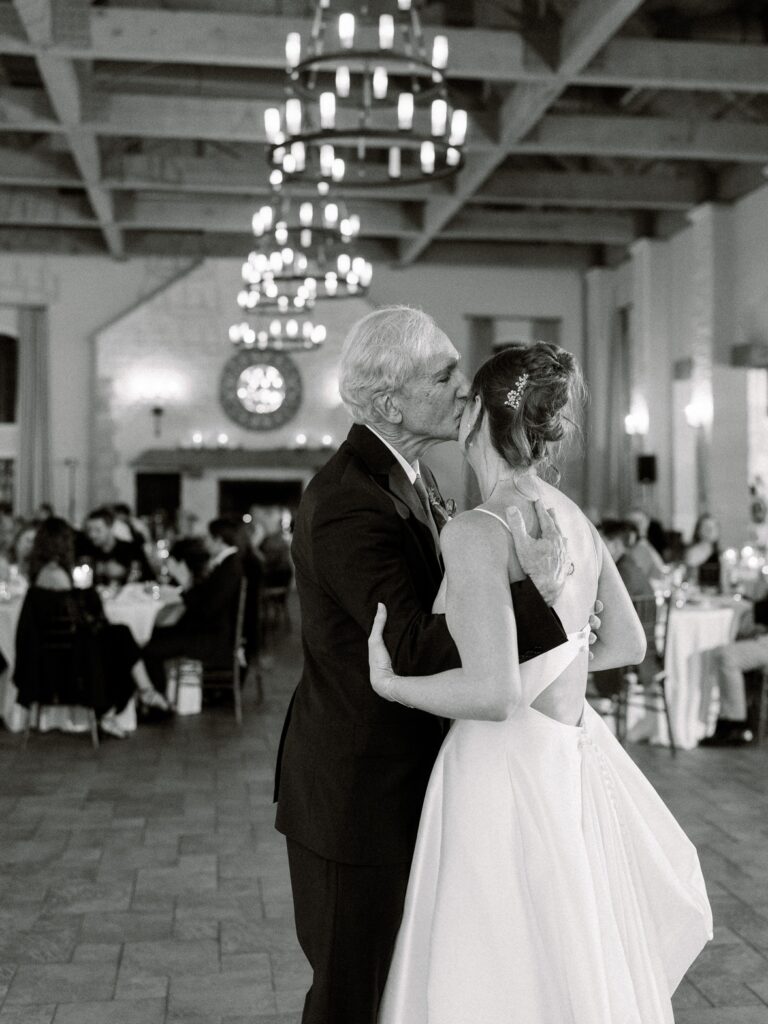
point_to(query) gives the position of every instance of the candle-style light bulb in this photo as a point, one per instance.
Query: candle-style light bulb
(299, 154)
(344, 264)
(427, 157)
(306, 213)
(327, 109)
(293, 115)
(354, 224)
(439, 112)
(458, 128)
(272, 123)
(405, 111)
(292, 49)
(347, 29)
(404, 5)
(342, 81)
(331, 213)
(306, 240)
(337, 169)
(326, 159)
(393, 165)
(386, 31)
(440, 52)
(453, 157)
(380, 82)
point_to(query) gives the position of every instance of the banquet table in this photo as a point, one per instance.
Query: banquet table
(135, 606)
(694, 631)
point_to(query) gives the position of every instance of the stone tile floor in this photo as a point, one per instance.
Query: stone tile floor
(144, 884)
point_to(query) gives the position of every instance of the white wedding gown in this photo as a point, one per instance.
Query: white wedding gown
(550, 884)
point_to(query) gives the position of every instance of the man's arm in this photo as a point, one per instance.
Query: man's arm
(358, 560)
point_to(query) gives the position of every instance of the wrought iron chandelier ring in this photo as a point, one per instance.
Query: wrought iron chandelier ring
(364, 174)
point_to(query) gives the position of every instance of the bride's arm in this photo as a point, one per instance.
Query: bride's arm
(481, 620)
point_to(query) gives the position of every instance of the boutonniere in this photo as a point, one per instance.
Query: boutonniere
(442, 511)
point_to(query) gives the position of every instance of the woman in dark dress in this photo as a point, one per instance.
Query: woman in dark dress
(67, 652)
(703, 553)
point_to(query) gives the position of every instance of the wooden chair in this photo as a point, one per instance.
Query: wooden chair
(274, 607)
(231, 676)
(643, 686)
(59, 661)
(756, 683)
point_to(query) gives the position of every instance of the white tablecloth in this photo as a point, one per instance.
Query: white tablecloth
(132, 607)
(693, 632)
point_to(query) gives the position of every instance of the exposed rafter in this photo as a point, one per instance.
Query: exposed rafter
(61, 82)
(587, 29)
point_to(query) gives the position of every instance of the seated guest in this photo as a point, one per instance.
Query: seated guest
(127, 526)
(617, 535)
(274, 550)
(66, 650)
(205, 630)
(702, 556)
(188, 561)
(621, 539)
(732, 661)
(22, 548)
(7, 528)
(113, 560)
(645, 555)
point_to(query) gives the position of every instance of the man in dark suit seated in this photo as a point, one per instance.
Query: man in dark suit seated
(352, 768)
(205, 629)
(113, 560)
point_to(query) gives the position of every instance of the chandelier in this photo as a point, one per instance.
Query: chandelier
(303, 254)
(279, 333)
(366, 105)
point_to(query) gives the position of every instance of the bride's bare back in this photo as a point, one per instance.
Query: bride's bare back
(593, 576)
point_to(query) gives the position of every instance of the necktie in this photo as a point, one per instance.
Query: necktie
(421, 490)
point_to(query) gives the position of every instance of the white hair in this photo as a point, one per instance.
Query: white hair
(381, 352)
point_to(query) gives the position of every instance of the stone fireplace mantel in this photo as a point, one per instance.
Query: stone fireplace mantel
(194, 462)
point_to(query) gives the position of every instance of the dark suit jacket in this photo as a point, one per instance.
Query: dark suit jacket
(353, 768)
(208, 620)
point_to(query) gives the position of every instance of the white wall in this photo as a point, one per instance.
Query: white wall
(80, 293)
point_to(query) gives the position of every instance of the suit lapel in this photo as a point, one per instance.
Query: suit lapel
(390, 475)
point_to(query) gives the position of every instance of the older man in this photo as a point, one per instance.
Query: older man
(352, 768)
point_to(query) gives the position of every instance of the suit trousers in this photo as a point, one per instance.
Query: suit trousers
(733, 660)
(347, 917)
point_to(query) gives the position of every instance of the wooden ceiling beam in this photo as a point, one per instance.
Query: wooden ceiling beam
(584, 32)
(648, 138)
(541, 226)
(257, 41)
(583, 189)
(64, 91)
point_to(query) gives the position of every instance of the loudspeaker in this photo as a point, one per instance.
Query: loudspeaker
(646, 469)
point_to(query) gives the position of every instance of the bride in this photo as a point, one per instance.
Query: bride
(550, 884)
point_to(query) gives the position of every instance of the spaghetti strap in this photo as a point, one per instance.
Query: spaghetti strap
(495, 516)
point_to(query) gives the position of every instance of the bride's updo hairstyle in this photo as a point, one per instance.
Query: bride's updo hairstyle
(531, 395)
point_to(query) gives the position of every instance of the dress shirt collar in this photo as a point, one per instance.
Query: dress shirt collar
(222, 555)
(411, 471)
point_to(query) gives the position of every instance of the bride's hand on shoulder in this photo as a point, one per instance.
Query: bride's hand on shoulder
(379, 661)
(544, 559)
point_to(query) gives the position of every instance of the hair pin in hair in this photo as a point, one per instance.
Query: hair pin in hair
(516, 393)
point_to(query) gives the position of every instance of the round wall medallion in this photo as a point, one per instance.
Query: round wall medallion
(260, 390)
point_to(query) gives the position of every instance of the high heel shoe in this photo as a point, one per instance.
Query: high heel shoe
(152, 699)
(108, 725)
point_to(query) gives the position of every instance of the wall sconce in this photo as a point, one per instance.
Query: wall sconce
(157, 419)
(637, 420)
(698, 412)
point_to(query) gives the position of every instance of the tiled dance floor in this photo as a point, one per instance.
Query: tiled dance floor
(144, 884)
